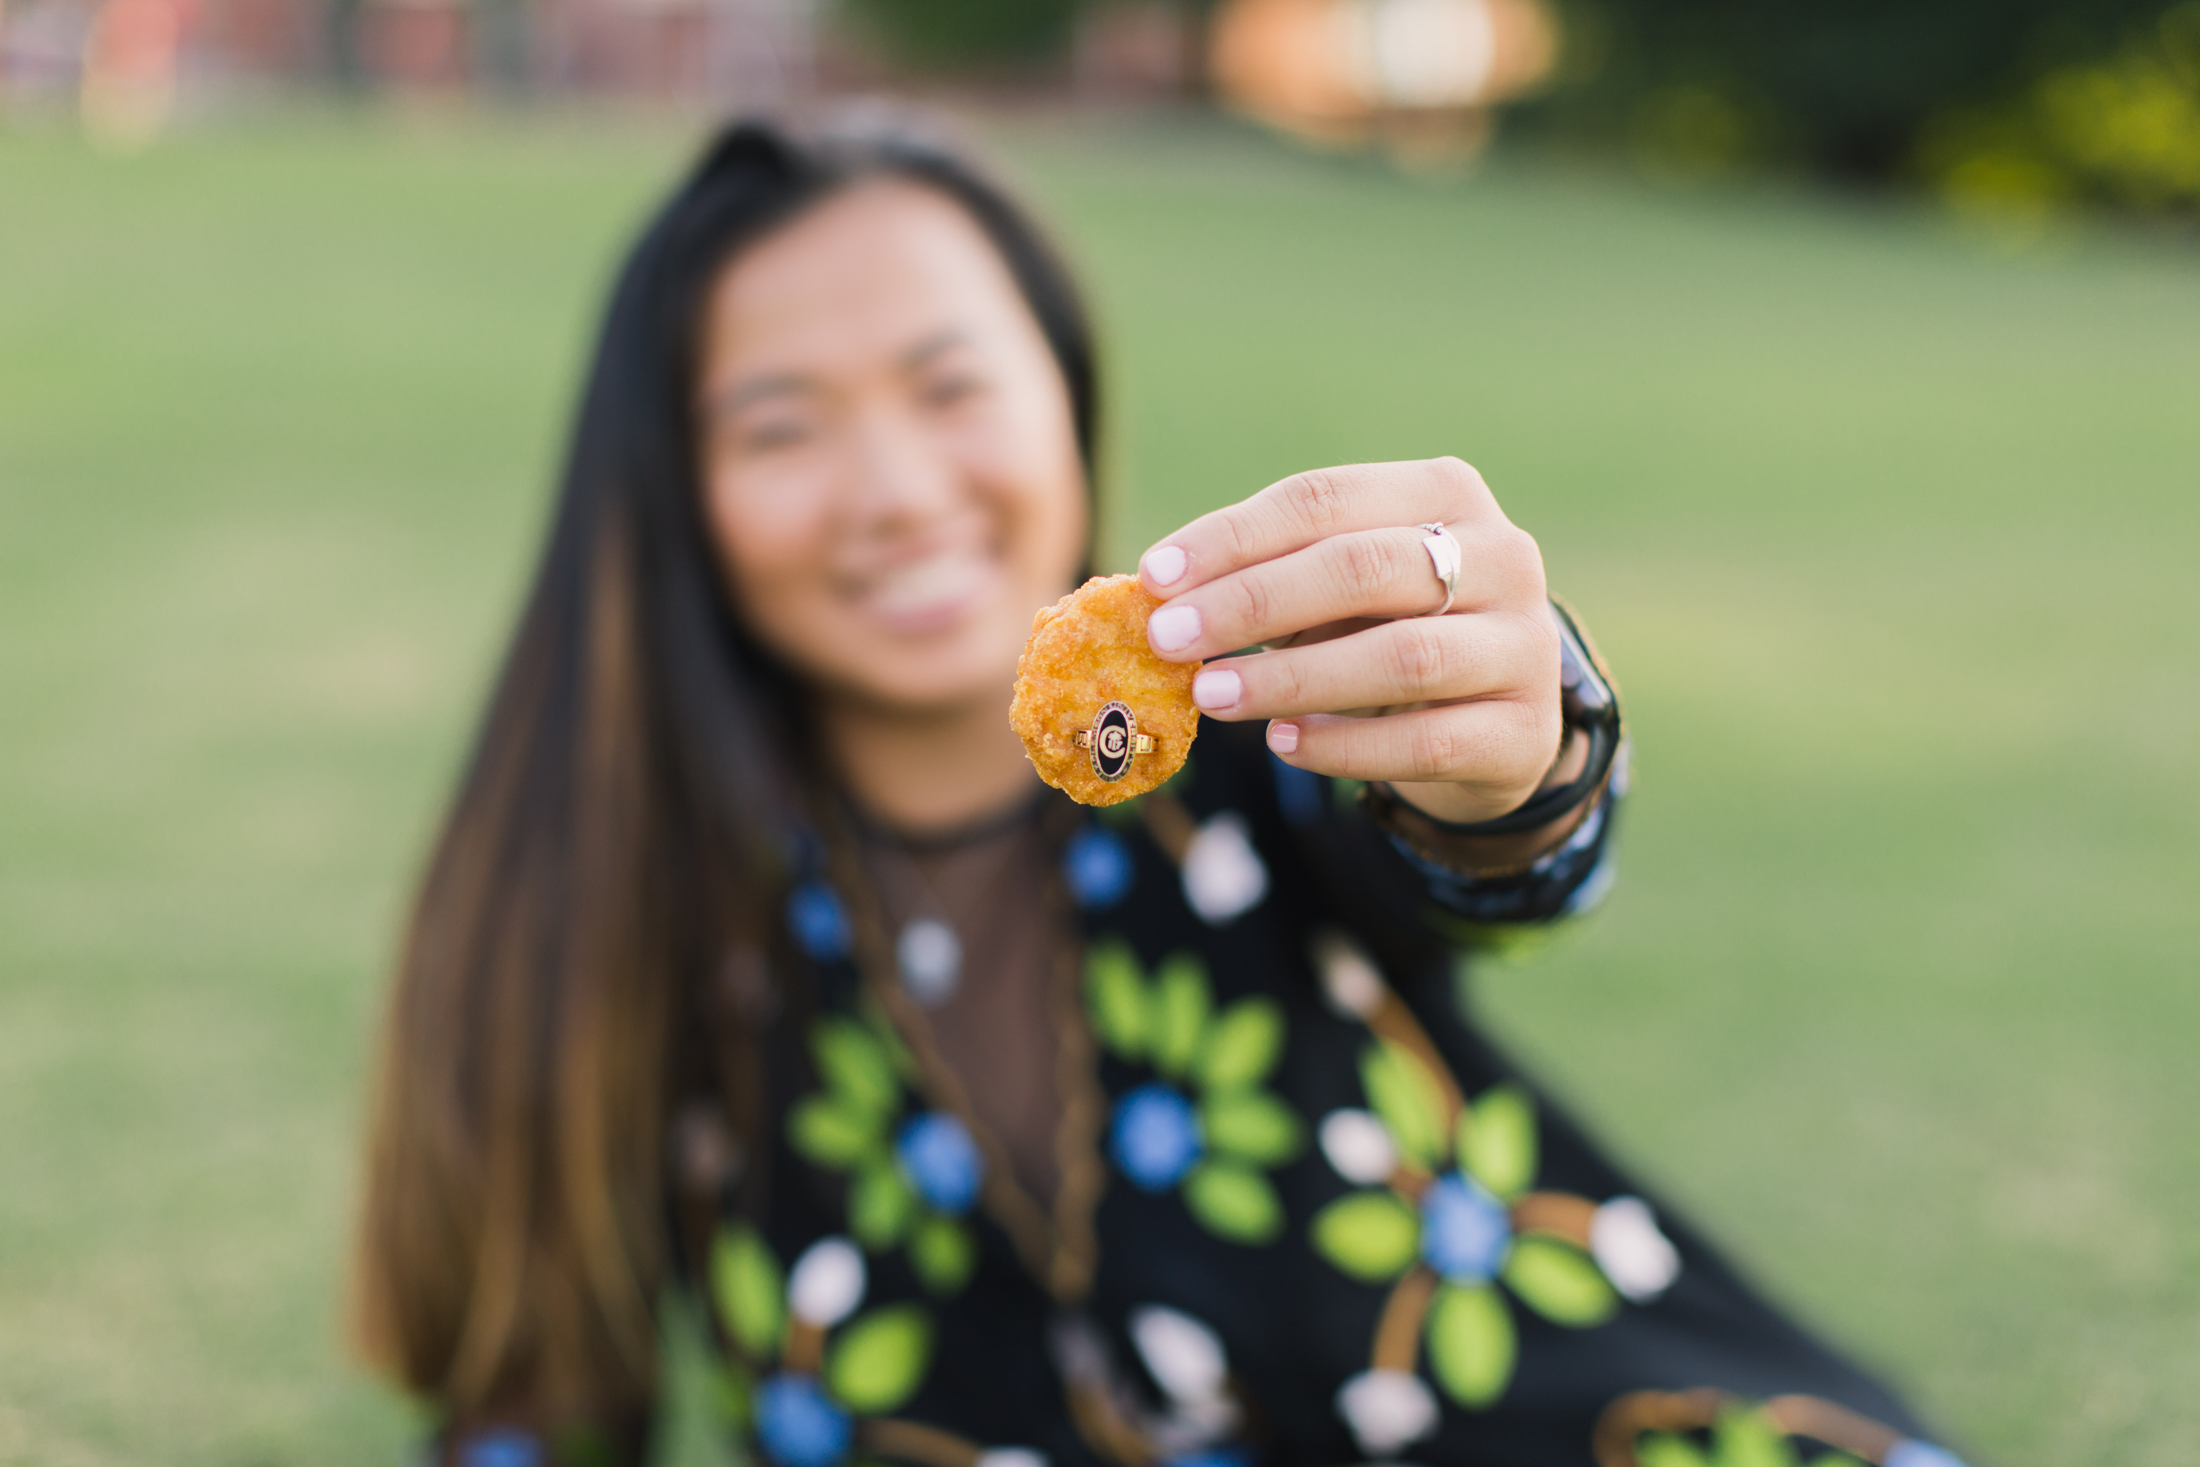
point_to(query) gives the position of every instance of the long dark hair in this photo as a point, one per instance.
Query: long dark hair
(620, 829)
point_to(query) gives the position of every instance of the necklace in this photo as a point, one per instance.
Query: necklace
(929, 951)
(1055, 1242)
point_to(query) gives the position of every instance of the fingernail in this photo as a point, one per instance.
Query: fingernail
(1217, 688)
(1173, 628)
(1282, 737)
(1164, 565)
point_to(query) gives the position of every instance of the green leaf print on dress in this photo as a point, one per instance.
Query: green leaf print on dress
(913, 1178)
(1709, 1428)
(1447, 1216)
(809, 1379)
(797, 1388)
(1205, 1124)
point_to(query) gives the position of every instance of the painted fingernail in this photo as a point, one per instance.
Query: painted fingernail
(1283, 737)
(1173, 628)
(1164, 565)
(1217, 689)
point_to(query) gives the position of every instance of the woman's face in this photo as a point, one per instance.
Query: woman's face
(890, 469)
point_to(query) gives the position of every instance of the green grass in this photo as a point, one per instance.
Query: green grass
(1885, 535)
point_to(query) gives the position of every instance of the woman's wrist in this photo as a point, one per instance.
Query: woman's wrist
(1424, 816)
(1451, 844)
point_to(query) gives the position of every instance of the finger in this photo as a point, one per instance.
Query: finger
(1363, 574)
(1501, 745)
(1293, 513)
(1424, 660)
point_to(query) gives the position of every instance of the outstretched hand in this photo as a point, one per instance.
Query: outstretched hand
(1326, 572)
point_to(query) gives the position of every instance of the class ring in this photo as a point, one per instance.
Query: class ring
(1114, 740)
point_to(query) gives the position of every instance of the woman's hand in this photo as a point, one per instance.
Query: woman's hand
(1326, 572)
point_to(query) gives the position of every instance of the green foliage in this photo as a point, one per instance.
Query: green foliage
(1401, 1091)
(1497, 1140)
(958, 34)
(878, 1361)
(749, 1290)
(1233, 1201)
(1371, 1235)
(2027, 103)
(1559, 1282)
(1471, 1343)
(1243, 1045)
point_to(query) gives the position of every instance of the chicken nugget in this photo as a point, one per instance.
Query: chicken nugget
(1102, 717)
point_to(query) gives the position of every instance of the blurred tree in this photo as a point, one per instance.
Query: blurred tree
(2094, 99)
(958, 34)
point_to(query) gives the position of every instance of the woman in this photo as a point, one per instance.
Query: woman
(753, 960)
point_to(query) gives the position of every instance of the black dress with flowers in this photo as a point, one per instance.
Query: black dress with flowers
(1305, 1212)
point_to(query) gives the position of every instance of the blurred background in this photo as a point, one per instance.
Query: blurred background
(1844, 358)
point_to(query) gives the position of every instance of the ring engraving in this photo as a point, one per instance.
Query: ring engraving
(1114, 740)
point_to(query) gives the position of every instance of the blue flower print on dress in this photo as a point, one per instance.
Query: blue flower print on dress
(1465, 1232)
(1155, 1137)
(819, 922)
(1206, 1123)
(502, 1447)
(798, 1425)
(1097, 867)
(910, 1181)
(1709, 1428)
(941, 1161)
(1447, 1212)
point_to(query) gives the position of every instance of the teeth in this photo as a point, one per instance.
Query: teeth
(927, 582)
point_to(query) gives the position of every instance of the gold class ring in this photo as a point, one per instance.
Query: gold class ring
(1113, 740)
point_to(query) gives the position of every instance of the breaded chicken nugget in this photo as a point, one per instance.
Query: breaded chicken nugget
(1102, 717)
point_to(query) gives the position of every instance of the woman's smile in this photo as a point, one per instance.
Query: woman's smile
(933, 592)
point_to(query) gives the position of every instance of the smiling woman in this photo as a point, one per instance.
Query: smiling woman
(891, 476)
(754, 960)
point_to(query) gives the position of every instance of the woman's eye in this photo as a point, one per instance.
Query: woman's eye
(949, 389)
(772, 433)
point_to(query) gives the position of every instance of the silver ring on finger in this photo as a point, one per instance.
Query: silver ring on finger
(1444, 554)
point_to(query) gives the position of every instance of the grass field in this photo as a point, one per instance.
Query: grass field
(1887, 535)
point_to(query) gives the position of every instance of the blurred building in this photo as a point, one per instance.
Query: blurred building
(1418, 74)
(723, 53)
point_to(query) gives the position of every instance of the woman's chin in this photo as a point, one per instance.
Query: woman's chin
(939, 675)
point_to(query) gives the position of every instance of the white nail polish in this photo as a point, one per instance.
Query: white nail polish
(1217, 689)
(1173, 628)
(1165, 565)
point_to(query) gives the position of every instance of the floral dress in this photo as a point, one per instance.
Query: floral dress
(1304, 1211)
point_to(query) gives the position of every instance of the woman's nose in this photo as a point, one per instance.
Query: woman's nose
(901, 471)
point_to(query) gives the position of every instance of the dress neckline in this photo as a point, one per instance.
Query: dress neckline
(872, 830)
